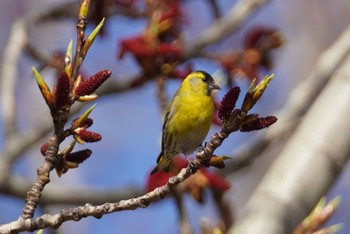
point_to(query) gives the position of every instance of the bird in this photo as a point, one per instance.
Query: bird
(188, 118)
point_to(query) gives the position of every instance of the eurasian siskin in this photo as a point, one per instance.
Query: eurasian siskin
(187, 119)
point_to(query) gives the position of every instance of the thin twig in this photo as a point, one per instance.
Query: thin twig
(66, 10)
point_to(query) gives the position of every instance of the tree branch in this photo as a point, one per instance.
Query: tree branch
(43, 178)
(75, 214)
(27, 223)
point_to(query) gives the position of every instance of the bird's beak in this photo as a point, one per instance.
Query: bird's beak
(213, 86)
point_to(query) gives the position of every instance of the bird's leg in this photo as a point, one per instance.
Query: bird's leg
(193, 167)
(201, 155)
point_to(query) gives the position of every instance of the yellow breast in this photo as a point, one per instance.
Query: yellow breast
(190, 122)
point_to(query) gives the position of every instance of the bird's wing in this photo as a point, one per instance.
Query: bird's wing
(168, 116)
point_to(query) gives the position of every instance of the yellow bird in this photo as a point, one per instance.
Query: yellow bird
(188, 118)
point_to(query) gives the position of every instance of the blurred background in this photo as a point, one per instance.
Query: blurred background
(130, 120)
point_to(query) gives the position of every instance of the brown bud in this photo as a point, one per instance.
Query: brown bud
(80, 121)
(43, 149)
(218, 161)
(79, 156)
(247, 101)
(60, 170)
(260, 88)
(85, 124)
(44, 88)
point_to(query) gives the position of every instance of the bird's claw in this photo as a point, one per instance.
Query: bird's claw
(201, 148)
(193, 167)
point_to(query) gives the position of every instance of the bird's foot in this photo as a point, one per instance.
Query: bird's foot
(201, 148)
(193, 167)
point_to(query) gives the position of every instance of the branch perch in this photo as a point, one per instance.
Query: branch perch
(26, 223)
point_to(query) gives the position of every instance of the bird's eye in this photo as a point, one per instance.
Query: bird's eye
(206, 79)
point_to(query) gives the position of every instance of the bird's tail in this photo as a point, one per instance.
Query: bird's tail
(163, 163)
